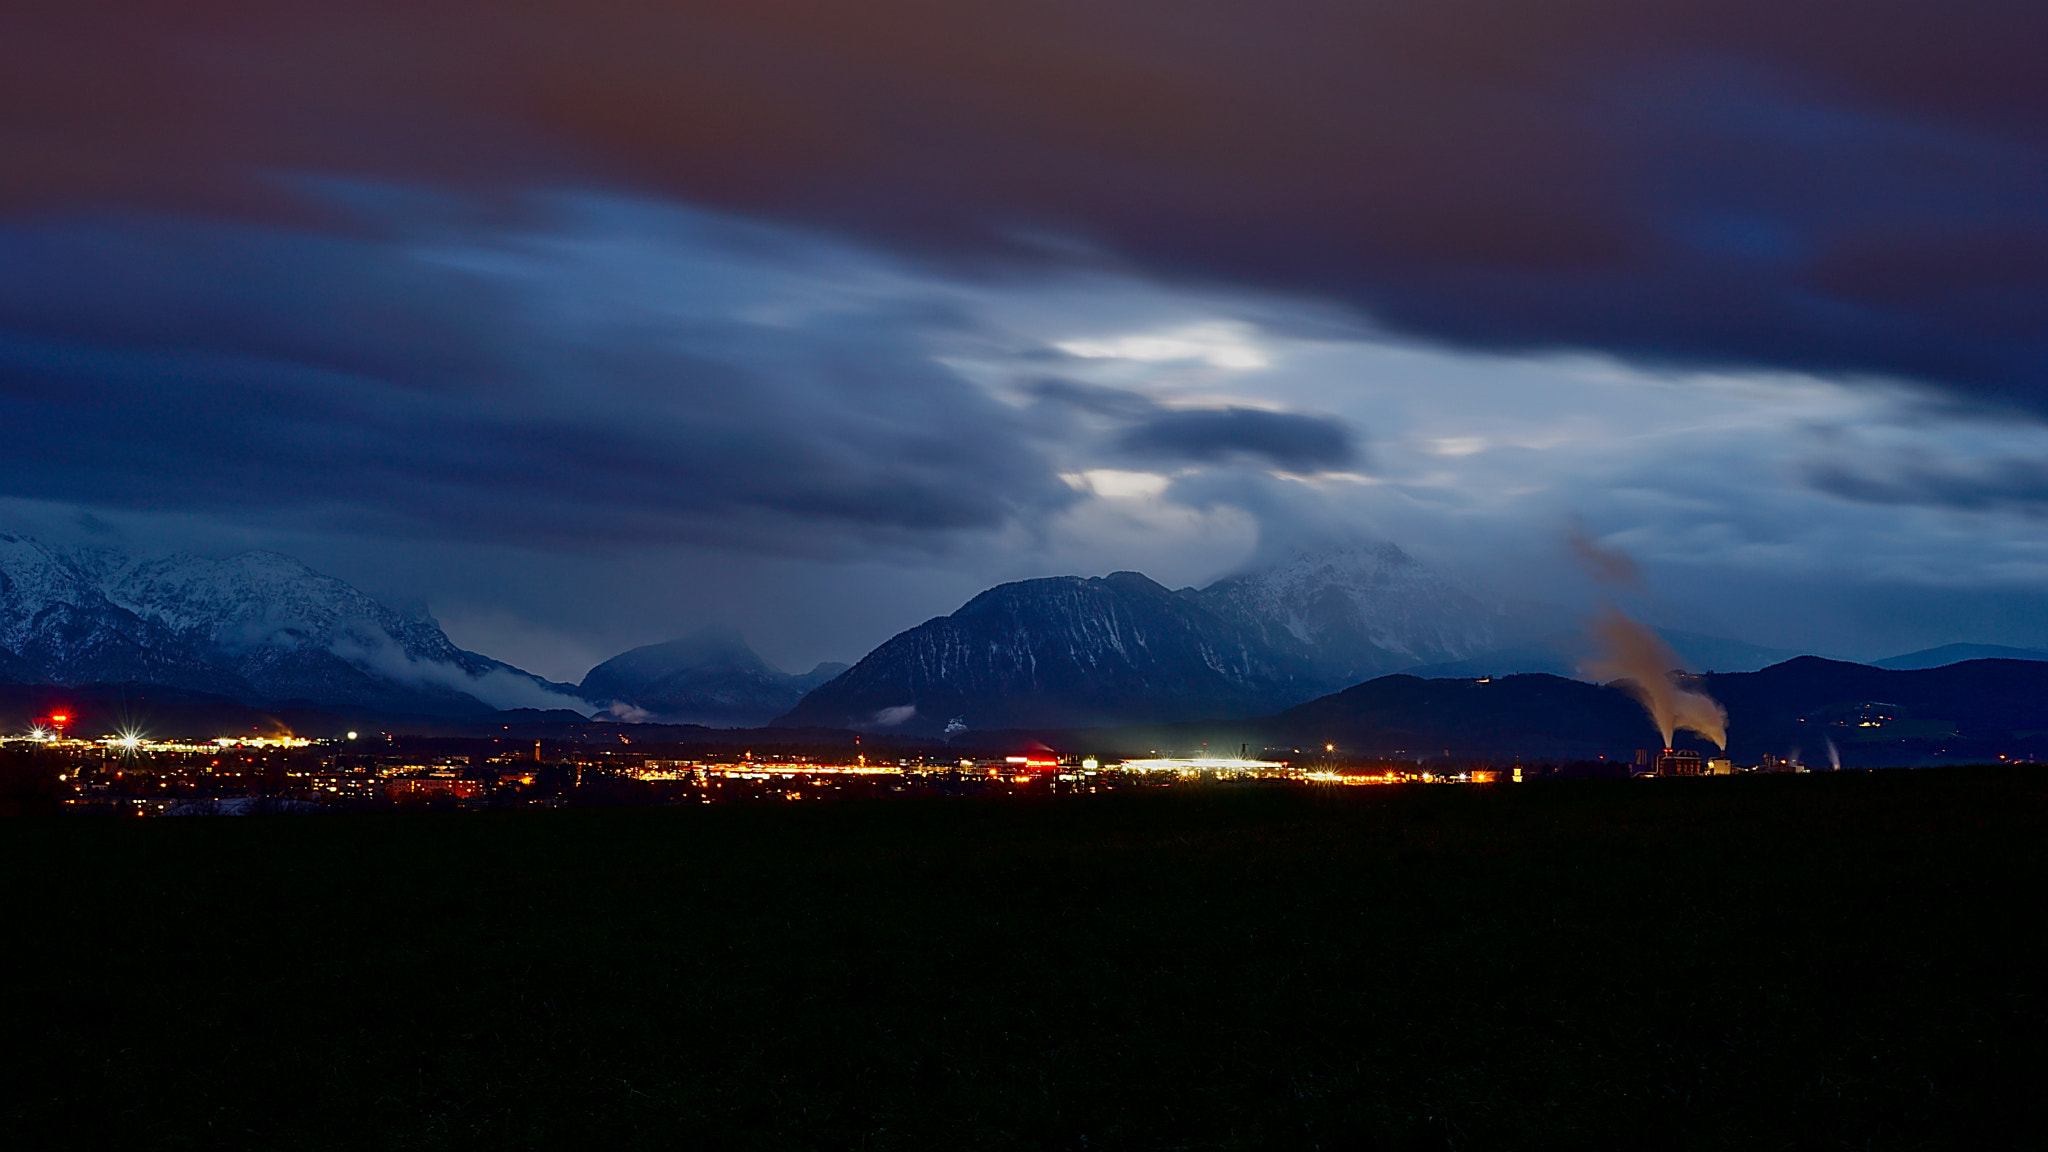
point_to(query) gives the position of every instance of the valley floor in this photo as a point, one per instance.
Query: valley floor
(1823, 961)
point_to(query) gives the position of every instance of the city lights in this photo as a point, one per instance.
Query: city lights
(130, 772)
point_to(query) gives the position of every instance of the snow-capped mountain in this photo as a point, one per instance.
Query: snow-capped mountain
(258, 626)
(1361, 611)
(1065, 652)
(1071, 652)
(58, 626)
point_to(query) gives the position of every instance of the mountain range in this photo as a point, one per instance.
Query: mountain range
(1122, 648)
(1061, 652)
(257, 627)
(711, 678)
(1955, 654)
(1823, 710)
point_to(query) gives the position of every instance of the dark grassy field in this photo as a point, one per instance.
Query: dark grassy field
(1823, 961)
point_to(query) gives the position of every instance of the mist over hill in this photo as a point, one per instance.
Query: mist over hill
(711, 677)
(1358, 611)
(1566, 653)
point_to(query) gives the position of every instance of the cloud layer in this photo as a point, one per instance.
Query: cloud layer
(1733, 182)
(615, 374)
(598, 323)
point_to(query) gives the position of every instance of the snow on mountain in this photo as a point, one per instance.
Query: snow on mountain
(34, 578)
(1067, 651)
(57, 626)
(258, 626)
(1060, 652)
(263, 600)
(1361, 610)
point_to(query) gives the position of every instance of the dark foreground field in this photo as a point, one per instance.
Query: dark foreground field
(1825, 961)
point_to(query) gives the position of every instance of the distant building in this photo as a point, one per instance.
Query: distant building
(1721, 766)
(427, 787)
(1678, 762)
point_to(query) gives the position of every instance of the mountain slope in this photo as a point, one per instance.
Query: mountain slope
(1534, 715)
(60, 626)
(257, 627)
(1977, 710)
(1955, 654)
(1064, 651)
(711, 678)
(1068, 651)
(1359, 610)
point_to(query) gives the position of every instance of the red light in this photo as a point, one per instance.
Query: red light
(60, 717)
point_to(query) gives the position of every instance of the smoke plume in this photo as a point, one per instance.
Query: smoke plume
(1607, 565)
(1639, 658)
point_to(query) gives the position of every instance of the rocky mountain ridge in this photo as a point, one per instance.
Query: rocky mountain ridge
(258, 627)
(1074, 651)
(1063, 650)
(1357, 611)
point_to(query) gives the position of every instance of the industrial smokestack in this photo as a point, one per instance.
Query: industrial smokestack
(1643, 663)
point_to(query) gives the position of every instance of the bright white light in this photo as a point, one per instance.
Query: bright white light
(351, 735)
(1200, 763)
(1222, 344)
(130, 741)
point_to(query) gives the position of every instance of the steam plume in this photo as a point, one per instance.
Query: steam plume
(1640, 659)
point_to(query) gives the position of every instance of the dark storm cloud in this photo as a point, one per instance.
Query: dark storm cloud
(443, 388)
(2013, 485)
(1142, 429)
(1094, 399)
(1290, 441)
(1840, 188)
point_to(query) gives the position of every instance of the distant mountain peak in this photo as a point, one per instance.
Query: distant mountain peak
(1957, 653)
(712, 676)
(1060, 651)
(1359, 607)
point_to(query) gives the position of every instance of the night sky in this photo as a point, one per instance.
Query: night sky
(587, 324)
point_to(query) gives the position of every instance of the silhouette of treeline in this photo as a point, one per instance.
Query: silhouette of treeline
(1973, 712)
(1784, 961)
